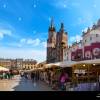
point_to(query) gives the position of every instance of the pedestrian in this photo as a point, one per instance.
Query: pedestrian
(49, 77)
(32, 76)
(22, 74)
(25, 76)
(63, 80)
(4, 75)
(99, 82)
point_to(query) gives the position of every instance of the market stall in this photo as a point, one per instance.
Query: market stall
(85, 74)
(3, 69)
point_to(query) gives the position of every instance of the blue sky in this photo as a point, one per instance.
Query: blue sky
(24, 24)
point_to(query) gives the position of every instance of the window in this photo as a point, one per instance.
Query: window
(65, 54)
(90, 38)
(85, 40)
(97, 35)
(67, 57)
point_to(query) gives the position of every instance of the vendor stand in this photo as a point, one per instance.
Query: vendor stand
(85, 75)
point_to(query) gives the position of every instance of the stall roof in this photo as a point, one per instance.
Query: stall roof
(95, 61)
(3, 69)
(71, 63)
(52, 64)
(61, 64)
(67, 63)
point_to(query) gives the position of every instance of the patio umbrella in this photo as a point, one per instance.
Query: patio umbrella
(3, 69)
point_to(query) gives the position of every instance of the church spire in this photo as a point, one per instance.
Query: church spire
(52, 22)
(52, 27)
(62, 27)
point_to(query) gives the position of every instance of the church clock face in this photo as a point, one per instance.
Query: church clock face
(88, 54)
(96, 51)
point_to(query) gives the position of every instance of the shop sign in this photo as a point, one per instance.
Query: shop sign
(88, 54)
(96, 51)
(80, 71)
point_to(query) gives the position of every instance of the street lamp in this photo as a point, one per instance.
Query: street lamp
(93, 64)
(84, 65)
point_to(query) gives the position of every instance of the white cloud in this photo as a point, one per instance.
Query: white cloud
(44, 44)
(94, 5)
(19, 18)
(4, 32)
(35, 42)
(23, 40)
(86, 19)
(75, 4)
(4, 5)
(39, 55)
(61, 4)
(76, 38)
(15, 44)
(85, 29)
(34, 5)
(34, 31)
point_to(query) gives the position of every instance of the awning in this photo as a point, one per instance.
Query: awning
(52, 64)
(71, 63)
(67, 63)
(3, 69)
(61, 64)
(95, 61)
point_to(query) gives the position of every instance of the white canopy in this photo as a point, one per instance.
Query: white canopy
(52, 64)
(71, 63)
(61, 64)
(67, 63)
(95, 61)
(3, 69)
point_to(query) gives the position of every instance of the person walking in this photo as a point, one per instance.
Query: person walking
(63, 80)
(32, 76)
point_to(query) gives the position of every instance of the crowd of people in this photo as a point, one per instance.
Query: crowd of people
(6, 75)
(50, 77)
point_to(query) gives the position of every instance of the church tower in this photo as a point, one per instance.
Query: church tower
(51, 43)
(61, 43)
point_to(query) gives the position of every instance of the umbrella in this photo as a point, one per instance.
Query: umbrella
(3, 69)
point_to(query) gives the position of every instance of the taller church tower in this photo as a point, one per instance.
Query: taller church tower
(51, 43)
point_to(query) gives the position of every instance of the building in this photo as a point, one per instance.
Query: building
(5, 63)
(13, 64)
(56, 43)
(19, 63)
(41, 65)
(29, 64)
(88, 48)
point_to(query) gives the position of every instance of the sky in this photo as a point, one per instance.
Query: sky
(24, 24)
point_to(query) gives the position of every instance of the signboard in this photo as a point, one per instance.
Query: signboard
(96, 51)
(88, 54)
(80, 71)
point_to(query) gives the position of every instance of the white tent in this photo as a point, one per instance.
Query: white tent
(71, 63)
(61, 64)
(52, 64)
(67, 63)
(3, 69)
(95, 61)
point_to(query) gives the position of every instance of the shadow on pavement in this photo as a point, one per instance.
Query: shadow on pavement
(28, 85)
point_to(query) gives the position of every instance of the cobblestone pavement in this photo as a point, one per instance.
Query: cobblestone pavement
(20, 84)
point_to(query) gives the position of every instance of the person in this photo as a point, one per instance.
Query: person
(99, 82)
(22, 74)
(32, 76)
(49, 77)
(25, 76)
(8, 75)
(63, 80)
